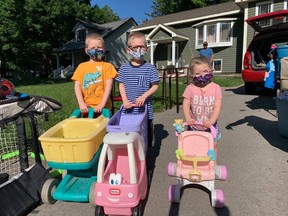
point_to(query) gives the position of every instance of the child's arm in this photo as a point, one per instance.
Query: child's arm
(141, 100)
(125, 101)
(78, 93)
(107, 92)
(215, 115)
(186, 110)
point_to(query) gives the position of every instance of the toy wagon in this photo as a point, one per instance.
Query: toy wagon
(73, 145)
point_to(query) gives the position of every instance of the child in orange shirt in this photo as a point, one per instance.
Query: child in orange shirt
(94, 78)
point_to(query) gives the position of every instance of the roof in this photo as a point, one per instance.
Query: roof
(191, 15)
(177, 35)
(103, 29)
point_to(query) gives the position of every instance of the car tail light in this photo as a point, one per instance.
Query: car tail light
(247, 60)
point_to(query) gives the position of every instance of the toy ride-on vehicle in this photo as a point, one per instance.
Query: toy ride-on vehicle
(73, 145)
(196, 163)
(123, 182)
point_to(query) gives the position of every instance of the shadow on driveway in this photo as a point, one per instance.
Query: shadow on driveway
(152, 154)
(268, 129)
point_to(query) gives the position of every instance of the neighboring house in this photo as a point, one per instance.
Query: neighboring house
(115, 34)
(175, 38)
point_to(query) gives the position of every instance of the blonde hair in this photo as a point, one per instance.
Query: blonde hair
(198, 61)
(94, 36)
(136, 35)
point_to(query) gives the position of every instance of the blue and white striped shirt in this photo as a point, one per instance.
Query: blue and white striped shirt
(137, 80)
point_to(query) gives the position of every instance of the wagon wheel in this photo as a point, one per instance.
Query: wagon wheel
(92, 194)
(48, 189)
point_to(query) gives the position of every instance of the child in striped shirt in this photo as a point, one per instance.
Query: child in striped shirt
(138, 80)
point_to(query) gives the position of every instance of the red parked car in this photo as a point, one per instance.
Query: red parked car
(272, 29)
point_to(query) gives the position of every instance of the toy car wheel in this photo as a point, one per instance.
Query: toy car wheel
(224, 173)
(174, 194)
(48, 189)
(171, 168)
(99, 211)
(217, 198)
(137, 211)
(221, 172)
(92, 194)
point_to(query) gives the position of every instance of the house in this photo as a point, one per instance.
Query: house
(72, 53)
(175, 38)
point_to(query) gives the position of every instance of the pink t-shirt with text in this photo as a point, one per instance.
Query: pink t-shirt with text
(202, 102)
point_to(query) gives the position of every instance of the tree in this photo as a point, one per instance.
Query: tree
(31, 29)
(164, 7)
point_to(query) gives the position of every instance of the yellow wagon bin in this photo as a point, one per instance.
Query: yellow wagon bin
(74, 140)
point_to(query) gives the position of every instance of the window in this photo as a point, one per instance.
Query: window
(217, 65)
(224, 32)
(211, 33)
(217, 34)
(200, 34)
(262, 8)
(81, 35)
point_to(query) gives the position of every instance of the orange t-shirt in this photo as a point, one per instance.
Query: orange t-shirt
(93, 76)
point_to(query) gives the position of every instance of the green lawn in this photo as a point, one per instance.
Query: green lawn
(63, 91)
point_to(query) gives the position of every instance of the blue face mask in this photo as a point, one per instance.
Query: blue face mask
(96, 54)
(137, 54)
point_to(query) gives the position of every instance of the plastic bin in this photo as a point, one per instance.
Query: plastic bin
(281, 52)
(282, 113)
(129, 122)
(74, 140)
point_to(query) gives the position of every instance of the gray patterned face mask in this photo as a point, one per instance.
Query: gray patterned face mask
(137, 54)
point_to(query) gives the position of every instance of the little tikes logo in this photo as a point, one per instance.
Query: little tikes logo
(114, 191)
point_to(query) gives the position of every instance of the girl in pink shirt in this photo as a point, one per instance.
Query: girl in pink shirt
(202, 97)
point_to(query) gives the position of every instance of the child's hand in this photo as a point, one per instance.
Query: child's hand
(190, 121)
(127, 104)
(83, 108)
(98, 108)
(207, 123)
(140, 101)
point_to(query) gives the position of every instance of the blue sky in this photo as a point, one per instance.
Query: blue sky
(128, 8)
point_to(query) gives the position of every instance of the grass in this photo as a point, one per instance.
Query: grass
(63, 91)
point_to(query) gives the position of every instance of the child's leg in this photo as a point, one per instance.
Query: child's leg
(150, 132)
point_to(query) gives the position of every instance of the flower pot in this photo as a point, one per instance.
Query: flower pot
(282, 113)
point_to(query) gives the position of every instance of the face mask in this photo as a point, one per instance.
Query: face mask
(137, 54)
(204, 78)
(96, 54)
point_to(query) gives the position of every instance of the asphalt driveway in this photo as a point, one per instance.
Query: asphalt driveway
(251, 148)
